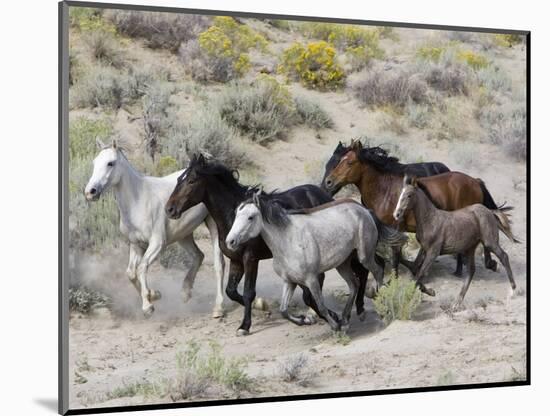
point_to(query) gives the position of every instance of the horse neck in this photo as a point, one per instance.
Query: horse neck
(275, 238)
(375, 186)
(221, 203)
(424, 210)
(127, 190)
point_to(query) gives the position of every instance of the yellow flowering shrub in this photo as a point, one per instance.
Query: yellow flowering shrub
(430, 53)
(88, 19)
(359, 44)
(228, 39)
(508, 40)
(474, 60)
(313, 64)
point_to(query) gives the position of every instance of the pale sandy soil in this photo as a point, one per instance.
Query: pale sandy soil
(484, 343)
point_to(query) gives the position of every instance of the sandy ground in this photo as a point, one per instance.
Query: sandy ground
(483, 343)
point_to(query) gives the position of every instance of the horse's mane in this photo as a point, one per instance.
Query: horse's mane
(273, 212)
(229, 177)
(380, 160)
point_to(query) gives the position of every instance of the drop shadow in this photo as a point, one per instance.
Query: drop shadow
(47, 403)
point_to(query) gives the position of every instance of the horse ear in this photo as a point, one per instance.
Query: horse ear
(414, 181)
(99, 143)
(201, 159)
(356, 145)
(406, 179)
(114, 144)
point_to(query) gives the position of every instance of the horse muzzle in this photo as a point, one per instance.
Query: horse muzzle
(172, 212)
(93, 194)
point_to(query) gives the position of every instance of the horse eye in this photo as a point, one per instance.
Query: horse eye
(111, 164)
(350, 163)
(249, 218)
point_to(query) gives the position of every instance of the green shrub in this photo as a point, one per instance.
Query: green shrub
(82, 136)
(158, 29)
(397, 300)
(263, 110)
(312, 114)
(94, 225)
(205, 132)
(508, 40)
(314, 65)
(431, 53)
(84, 300)
(494, 79)
(87, 19)
(100, 87)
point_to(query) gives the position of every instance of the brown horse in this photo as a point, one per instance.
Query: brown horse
(379, 178)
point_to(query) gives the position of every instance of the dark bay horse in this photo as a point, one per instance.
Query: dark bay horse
(216, 186)
(379, 178)
(453, 232)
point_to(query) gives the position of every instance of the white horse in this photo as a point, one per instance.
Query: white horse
(143, 222)
(311, 241)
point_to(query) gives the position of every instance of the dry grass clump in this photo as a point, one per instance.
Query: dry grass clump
(158, 29)
(506, 125)
(394, 88)
(104, 48)
(294, 369)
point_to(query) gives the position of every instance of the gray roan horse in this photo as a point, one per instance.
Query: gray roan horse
(310, 241)
(453, 232)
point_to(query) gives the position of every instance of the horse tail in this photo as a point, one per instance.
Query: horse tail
(504, 224)
(389, 235)
(488, 200)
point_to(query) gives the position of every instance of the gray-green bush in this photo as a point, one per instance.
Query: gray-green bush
(263, 111)
(100, 87)
(312, 114)
(203, 67)
(104, 48)
(506, 125)
(83, 299)
(397, 300)
(445, 74)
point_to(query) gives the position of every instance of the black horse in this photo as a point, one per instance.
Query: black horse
(412, 169)
(215, 185)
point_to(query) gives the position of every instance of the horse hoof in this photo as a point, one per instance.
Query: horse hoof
(457, 274)
(148, 312)
(492, 265)
(242, 332)
(154, 295)
(362, 316)
(430, 291)
(217, 313)
(309, 320)
(186, 295)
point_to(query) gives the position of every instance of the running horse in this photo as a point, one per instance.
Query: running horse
(379, 178)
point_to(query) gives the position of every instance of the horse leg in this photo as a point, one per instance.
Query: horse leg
(503, 257)
(459, 263)
(236, 271)
(288, 291)
(429, 257)
(308, 299)
(219, 266)
(470, 256)
(352, 281)
(195, 257)
(148, 296)
(490, 263)
(396, 259)
(249, 293)
(136, 253)
(362, 276)
(313, 285)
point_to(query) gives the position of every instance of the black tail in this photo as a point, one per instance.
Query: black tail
(488, 200)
